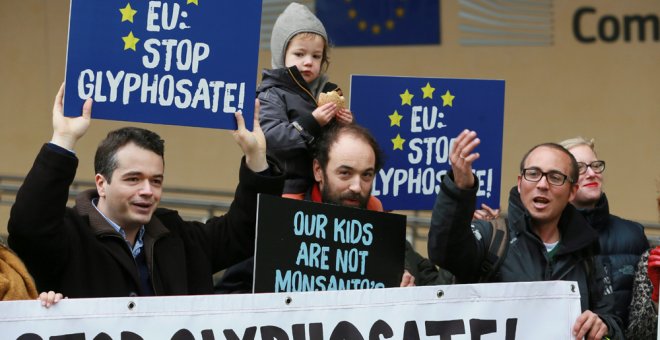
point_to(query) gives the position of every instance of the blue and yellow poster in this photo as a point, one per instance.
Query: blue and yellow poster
(378, 22)
(415, 121)
(183, 62)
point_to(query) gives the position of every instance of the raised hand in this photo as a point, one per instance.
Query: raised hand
(462, 157)
(68, 130)
(252, 143)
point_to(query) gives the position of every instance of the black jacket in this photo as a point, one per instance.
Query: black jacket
(460, 245)
(622, 242)
(76, 252)
(286, 119)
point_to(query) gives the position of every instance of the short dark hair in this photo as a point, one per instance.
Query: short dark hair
(332, 134)
(573, 175)
(105, 160)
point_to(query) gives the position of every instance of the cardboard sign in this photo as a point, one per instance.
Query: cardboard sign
(168, 62)
(415, 121)
(530, 310)
(307, 246)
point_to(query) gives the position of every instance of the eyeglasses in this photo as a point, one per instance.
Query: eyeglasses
(555, 178)
(596, 166)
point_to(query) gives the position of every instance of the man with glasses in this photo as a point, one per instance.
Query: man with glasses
(621, 241)
(548, 238)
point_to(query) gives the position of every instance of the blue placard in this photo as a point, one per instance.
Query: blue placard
(415, 121)
(185, 62)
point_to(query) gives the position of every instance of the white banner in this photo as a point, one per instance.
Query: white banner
(538, 310)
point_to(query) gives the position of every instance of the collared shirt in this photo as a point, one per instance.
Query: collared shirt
(139, 240)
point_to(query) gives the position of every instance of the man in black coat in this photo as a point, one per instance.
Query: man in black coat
(116, 241)
(548, 238)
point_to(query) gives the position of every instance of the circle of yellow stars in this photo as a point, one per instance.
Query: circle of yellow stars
(127, 14)
(375, 28)
(406, 99)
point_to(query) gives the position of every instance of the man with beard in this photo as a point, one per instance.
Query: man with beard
(548, 238)
(346, 160)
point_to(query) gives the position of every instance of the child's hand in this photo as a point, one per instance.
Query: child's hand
(324, 113)
(344, 116)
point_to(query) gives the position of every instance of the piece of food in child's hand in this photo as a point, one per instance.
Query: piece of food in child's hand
(332, 97)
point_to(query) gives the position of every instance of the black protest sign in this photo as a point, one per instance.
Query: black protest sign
(307, 246)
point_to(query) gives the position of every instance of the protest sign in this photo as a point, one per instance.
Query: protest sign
(529, 310)
(415, 121)
(169, 62)
(307, 246)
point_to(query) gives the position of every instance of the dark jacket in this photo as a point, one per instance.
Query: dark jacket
(461, 249)
(76, 252)
(622, 242)
(424, 271)
(287, 121)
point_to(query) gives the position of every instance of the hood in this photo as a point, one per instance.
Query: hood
(295, 19)
(576, 233)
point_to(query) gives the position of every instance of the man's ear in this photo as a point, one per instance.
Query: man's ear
(318, 171)
(519, 180)
(100, 184)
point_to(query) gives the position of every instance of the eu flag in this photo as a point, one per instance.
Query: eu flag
(380, 22)
(415, 121)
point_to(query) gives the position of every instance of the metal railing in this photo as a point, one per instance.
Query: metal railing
(202, 204)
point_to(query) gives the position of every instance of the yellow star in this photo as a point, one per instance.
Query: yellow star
(398, 142)
(447, 99)
(127, 13)
(192, 2)
(129, 41)
(395, 119)
(406, 98)
(428, 91)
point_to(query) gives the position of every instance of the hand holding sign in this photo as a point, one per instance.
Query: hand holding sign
(252, 143)
(67, 131)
